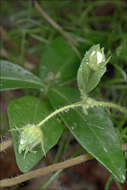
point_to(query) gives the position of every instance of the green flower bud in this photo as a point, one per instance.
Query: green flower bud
(91, 70)
(30, 137)
(95, 58)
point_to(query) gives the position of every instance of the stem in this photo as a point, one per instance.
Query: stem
(66, 144)
(52, 178)
(58, 111)
(112, 105)
(4, 145)
(107, 186)
(60, 149)
(44, 171)
(58, 28)
(119, 186)
(53, 23)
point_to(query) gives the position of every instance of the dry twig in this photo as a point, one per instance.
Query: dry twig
(44, 171)
(5, 144)
(58, 28)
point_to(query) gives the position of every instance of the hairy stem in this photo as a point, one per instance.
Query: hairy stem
(112, 105)
(44, 171)
(4, 145)
(58, 111)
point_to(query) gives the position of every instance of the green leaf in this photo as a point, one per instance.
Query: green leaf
(94, 131)
(58, 63)
(13, 76)
(87, 79)
(30, 110)
(91, 70)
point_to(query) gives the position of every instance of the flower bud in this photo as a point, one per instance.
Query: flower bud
(91, 70)
(30, 137)
(95, 58)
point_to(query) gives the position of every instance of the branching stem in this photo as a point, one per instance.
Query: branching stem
(61, 165)
(80, 104)
(6, 144)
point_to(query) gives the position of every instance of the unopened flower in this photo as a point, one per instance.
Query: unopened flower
(30, 137)
(95, 58)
